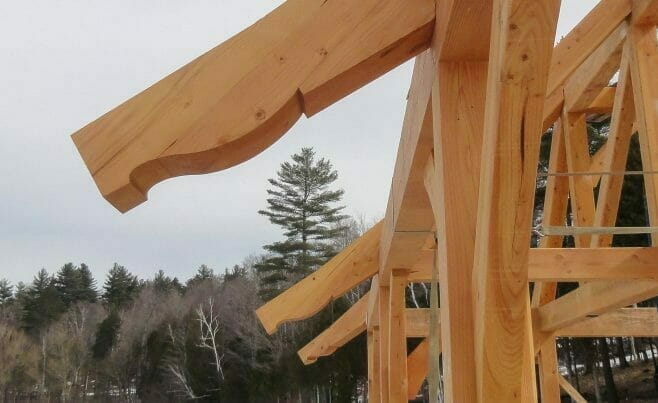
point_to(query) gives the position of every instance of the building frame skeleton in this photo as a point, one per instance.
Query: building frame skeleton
(487, 82)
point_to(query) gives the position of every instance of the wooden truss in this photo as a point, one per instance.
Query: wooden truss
(487, 82)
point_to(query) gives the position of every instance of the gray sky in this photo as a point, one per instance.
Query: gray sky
(64, 63)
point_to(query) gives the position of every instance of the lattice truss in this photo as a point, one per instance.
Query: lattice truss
(487, 82)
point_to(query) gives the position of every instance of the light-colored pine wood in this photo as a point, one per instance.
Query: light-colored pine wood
(462, 30)
(452, 181)
(372, 317)
(555, 211)
(521, 47)
(356, 263)
(645, 12)
(573, 393)
(417, 367)
(645, 90)
(586, 83)
(603, 102)
(374, 385)
(626, 322)
(345, 328)
(580, 187)
(619, 140)
(236, 100)
(604, 264)
(577, 46)
(397, 356)
(591, 299)
(384, 340)
(407, 222)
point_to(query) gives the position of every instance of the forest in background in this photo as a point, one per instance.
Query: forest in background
(68, 337)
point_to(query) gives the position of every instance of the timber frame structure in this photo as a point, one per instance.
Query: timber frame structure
(488, 81)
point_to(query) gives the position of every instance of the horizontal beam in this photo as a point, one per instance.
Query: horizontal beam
(589, 299)
(355, 264)
(626, 322)
(233, 102)
(572, 264)
(604, 264)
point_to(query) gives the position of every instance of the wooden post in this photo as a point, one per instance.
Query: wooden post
(374, 386)
(521, 46)
(384, 340)
(452, 183)
(397, 358)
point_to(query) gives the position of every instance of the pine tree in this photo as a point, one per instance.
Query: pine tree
(203, 273)
(67, 283)
(75, 284)
(87, 291)
(120, 287)
(6, 292)
(42, 304)
(163, 283)
(302, 203)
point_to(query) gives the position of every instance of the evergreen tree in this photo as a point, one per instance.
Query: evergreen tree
(87, 291)
(203, 273)
(106, 335)
(42, 304)
(302, 203)
(120, 287)
(67, 283)
(75, 284)
(6, 292)
(163, 283)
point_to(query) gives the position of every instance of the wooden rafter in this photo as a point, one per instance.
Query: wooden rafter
(236, 100)
(358, 262)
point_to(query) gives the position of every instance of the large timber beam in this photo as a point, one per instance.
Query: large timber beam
(236, 100)
(521, 48)
(590, 299)
(354, 264)
(585, 264)
(406, 225)
(626, 322)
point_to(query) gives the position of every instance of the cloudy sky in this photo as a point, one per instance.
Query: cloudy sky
(63, 63)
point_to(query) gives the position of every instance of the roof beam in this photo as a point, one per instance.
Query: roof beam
(407, 222)
(585, 84)
(626, 322)
(348, 326)
(354, 264)
(519, 64)
(576, 47)
(236, 100)
(462, 29)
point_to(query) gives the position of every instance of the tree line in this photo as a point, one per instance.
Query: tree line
(161, 339)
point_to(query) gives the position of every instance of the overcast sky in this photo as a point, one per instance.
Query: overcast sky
(64, 63)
